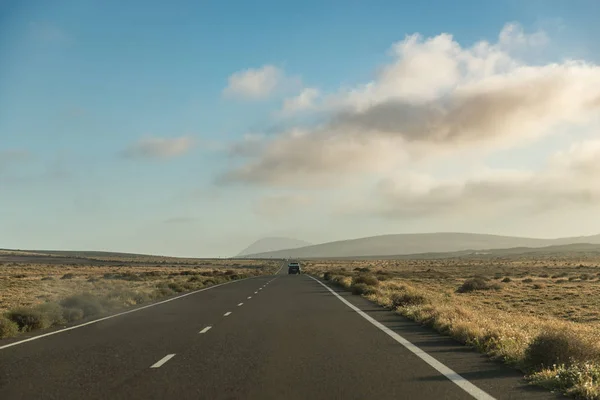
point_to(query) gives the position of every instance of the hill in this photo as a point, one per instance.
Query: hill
(271, 244)
(405, 244)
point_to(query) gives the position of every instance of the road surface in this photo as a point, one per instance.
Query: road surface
(273, 337)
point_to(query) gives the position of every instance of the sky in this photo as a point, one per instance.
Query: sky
(193, 128)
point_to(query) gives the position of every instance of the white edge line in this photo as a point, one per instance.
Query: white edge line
(205, 329)
(228, 313)
(118, 314)
(163, 360)
(438, 366)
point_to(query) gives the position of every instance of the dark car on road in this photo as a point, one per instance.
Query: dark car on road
(294, 268)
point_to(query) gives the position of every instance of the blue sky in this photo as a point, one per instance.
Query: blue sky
(118, 122)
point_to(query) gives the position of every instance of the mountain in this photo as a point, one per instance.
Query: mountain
(403, 244)
(270, 244)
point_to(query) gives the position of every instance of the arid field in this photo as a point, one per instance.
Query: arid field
(39, 291)
(538, 313)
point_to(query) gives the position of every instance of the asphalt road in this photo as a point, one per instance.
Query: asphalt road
(274, 337)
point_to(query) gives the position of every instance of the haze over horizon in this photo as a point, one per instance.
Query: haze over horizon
(198, 129)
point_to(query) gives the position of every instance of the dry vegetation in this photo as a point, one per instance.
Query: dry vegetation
(541, 315)
(41, 291)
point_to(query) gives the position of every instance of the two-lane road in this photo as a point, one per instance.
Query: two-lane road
(274, 337)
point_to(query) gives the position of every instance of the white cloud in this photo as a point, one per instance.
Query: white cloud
(435, 97)
(304, 101)
(566, 181)
(258, 83)
(159, 148)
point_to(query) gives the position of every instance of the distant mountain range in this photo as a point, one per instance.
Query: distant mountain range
(404, 244)
(271, 244)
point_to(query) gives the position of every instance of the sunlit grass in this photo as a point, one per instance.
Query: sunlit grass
(536, 320)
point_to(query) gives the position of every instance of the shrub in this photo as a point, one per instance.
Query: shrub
(478, 283)
(68, 276)
(47, 278)
(53, 313)
(527, 280)
(327, 275)
(408, 298)
(538, 286)
(163, 292)
(72, 314)
(506, 280)
(8, 328)
(194, 278)
(559, 347)
(370, 280)
(87, 303)
(362, 288)
(176, 287)
(28, 319)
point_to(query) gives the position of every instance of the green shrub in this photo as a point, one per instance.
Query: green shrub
(370, 280)
(72, 314)
(176, 287)
(478, 283)
(87, 303)
(163, 291)
(53, 313)
(361, 288)
(28, 319)
(407, 298)
(8, 328)
(559, 347)
(506, 280)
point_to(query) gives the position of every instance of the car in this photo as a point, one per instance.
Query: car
(294, 268)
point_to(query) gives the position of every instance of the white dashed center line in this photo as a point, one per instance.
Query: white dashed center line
(249, 297)
(205, 329)
(240, 304)
(256, 292)
(227, 313)
(163, 360)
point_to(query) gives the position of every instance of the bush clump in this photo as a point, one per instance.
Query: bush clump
(87, 303)
(68, 276)
(478, 283)
(369, 280)
(362, 288)
(8, 328)
(559, 347)
(406, 299)
(506, 280)
(28, 319)
(72, 314)
(327, 276)
(527, 280)
(176, 287)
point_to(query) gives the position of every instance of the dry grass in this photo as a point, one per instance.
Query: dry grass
(517, 321)
(37, 296)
